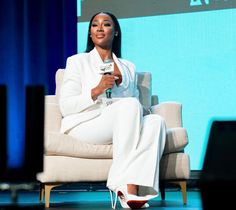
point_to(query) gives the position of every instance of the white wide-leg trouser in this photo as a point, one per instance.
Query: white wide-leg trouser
(138, 143)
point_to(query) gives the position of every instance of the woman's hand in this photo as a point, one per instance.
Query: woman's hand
(105, 83)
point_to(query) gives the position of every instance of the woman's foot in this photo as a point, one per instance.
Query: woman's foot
(134, 204)
(128, 197)
(132, 189)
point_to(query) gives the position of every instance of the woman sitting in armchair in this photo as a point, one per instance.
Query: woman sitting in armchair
(138, 140)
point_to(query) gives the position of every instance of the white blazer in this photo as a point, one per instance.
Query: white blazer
(81, 75)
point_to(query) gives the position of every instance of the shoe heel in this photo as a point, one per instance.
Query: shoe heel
(113, 203)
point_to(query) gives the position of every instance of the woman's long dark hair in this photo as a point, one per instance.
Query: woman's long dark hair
(116, 45)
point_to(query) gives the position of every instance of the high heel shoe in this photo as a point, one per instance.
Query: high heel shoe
(128, 200)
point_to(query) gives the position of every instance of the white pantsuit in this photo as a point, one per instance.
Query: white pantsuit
(138, 142)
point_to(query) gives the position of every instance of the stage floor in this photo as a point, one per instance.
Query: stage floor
(84, 200)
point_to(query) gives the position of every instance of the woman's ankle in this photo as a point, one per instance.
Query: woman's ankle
(132, 189)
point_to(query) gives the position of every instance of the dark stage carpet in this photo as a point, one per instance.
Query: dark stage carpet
(84, 200)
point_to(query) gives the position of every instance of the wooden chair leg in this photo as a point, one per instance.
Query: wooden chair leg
(48, 188)
(183, 186)
(45, 192)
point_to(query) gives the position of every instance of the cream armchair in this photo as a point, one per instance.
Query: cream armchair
(67, 160)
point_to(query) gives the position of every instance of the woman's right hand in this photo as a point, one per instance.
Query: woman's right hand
(107, 81)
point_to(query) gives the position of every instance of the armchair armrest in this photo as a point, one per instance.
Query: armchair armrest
(52, 114)
(176, 141)
(170, 111)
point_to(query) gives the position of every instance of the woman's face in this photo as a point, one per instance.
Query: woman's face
(102, 31)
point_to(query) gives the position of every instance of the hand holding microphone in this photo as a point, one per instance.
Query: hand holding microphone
(107, 69)
(107, 81)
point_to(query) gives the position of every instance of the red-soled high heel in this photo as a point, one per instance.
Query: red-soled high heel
(128, 200)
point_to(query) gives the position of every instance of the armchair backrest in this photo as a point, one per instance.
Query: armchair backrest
(144, 81)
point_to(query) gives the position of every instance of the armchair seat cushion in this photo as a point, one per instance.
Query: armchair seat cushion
(59, 144)
(176, 140)
(65, 145)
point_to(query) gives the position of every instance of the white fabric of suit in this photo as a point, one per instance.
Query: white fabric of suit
(138, 142)
(81, 75)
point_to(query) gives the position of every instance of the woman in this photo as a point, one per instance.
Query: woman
(138, 142)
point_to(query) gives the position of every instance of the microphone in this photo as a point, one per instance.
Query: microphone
(107, 68)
